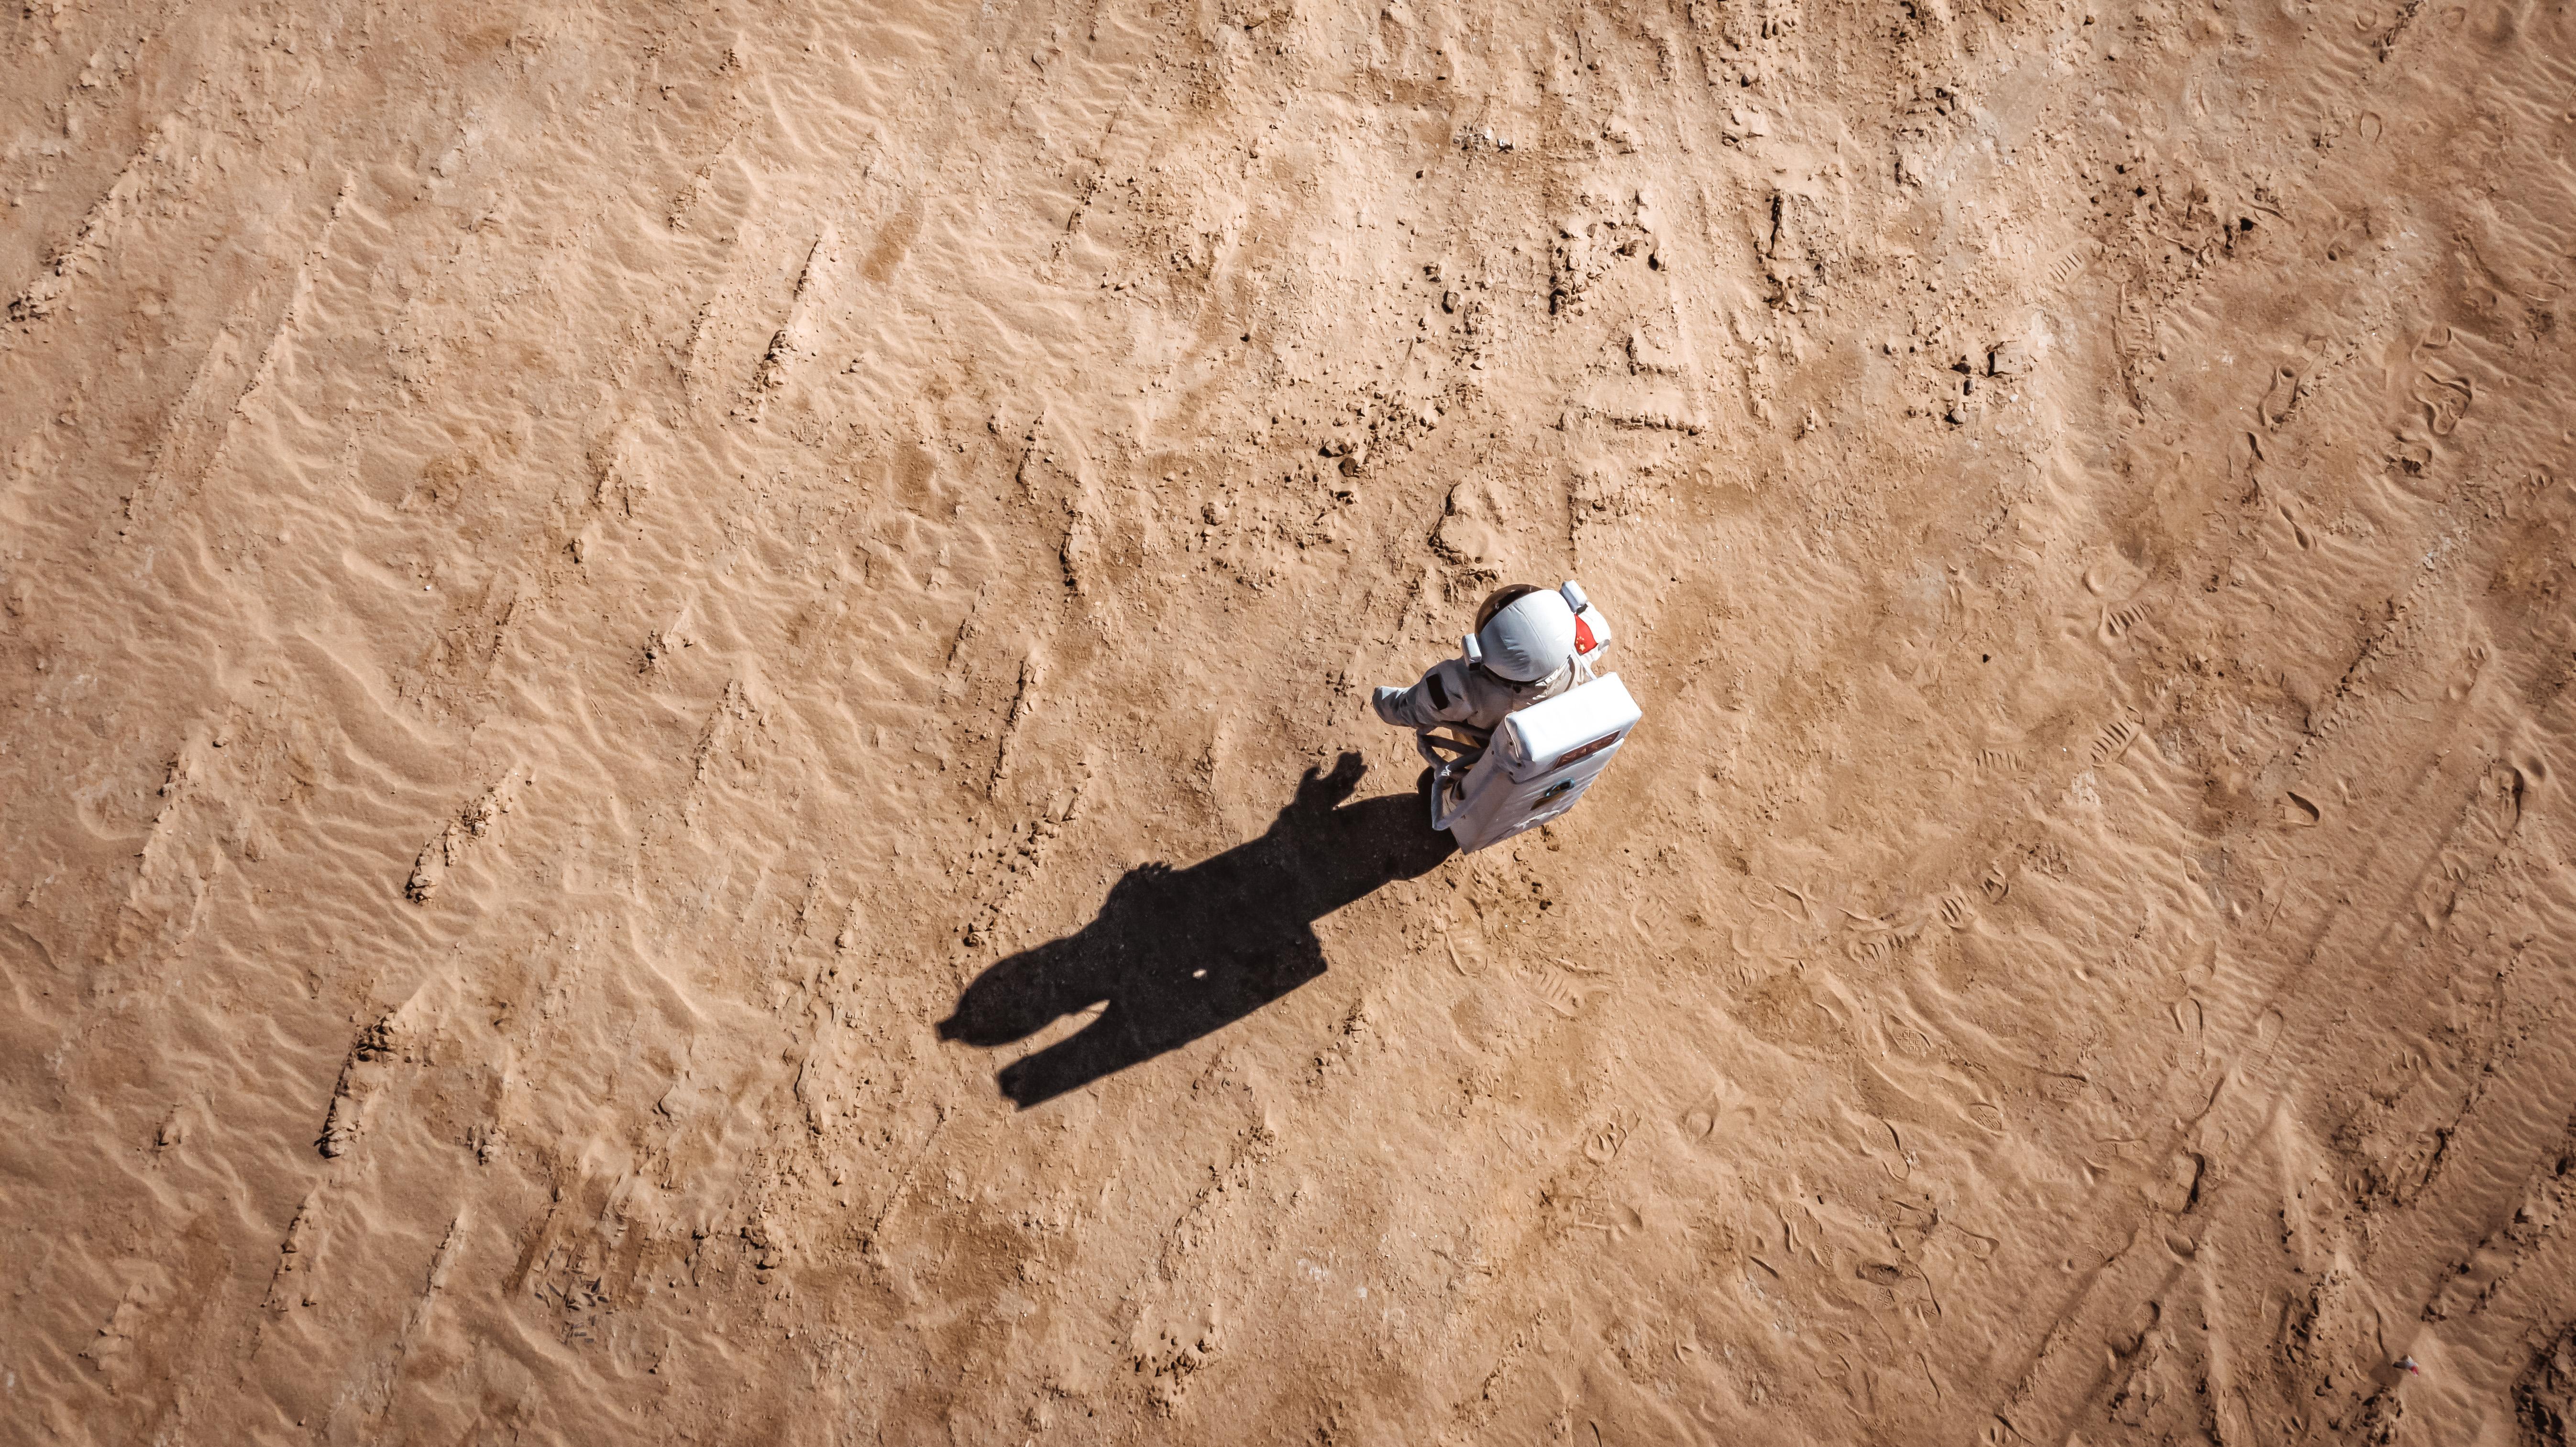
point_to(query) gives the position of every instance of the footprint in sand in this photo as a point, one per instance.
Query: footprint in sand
(2114, 740)
(1620, 1221)
(2410, 457)
(2116, 622)
(1561, 996)
(2068, 266)
(2280, 400)
(2471, 665)
(1566, 995)
(1717, 1117)
(2446, 403)
(2450, 394)
(2512, 785)
(1872, 948)
(2243, 451)
(1604, 1144)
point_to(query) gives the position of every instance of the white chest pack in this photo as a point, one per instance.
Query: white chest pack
(1542, 758)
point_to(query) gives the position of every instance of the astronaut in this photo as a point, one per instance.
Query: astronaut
(1530, 645)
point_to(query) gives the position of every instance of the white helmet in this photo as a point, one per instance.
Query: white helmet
(1524, 634)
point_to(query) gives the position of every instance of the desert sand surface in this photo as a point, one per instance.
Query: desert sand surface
(684, 748)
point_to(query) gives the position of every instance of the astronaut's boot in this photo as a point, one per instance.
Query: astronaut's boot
(1384, 701)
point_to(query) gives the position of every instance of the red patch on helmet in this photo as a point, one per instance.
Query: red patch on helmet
(1583, 640)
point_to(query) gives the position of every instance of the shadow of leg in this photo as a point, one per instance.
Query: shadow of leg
(1100, 1048)
(1180, 954)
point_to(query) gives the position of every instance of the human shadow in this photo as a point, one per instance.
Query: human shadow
(1180, 953)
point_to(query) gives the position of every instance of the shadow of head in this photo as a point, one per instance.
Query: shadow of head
(1175, 954)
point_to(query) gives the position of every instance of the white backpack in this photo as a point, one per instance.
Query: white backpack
(1542, 758)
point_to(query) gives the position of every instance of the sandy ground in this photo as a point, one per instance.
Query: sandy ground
(684, 751)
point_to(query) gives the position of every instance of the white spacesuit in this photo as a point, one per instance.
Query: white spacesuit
(1530, 644)
(1517, 729)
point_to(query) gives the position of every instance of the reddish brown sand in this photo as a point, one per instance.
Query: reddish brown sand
(575, 575)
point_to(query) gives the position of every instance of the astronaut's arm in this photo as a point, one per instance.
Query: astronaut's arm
(1439, 697)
